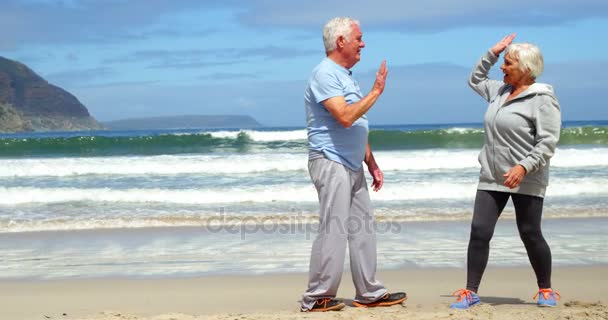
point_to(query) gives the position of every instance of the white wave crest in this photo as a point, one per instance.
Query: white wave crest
(572, 158)
(462, 130)
(433, 159)
(264, 136)
(153, 165)
(277, 193)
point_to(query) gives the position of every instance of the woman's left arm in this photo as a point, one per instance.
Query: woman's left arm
(548, 124)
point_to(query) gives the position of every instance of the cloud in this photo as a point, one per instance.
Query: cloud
(430, 15)
(24, 22)
(229, 76)
(425, 93)
(77, 77)
(120, 84)
(197, 64)
(439, 93)
(230, 54)
(72, 57)
(57, 22)
(34, 57)
(277, 53)
(262, 100)
(428, 93)
(171, 33)
(205, 58)
(245, 102)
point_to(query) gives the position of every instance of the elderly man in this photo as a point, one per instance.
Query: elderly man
(337, 136)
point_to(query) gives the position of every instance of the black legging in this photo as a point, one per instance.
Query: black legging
(528, 212)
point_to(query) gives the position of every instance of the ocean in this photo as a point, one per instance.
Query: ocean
(161, 203)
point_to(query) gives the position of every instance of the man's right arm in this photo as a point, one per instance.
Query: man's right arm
(347, 114)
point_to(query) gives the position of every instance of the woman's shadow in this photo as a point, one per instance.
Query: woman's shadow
(496, 301)
(493, 301)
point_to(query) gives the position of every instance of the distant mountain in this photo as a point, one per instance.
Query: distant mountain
(184, 122)
(30, 103)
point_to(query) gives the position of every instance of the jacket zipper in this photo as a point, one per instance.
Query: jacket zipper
(496, 134)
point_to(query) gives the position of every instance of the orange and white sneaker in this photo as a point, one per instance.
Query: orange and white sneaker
(547, 297)
(466, 299)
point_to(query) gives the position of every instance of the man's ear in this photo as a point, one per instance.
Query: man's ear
(340, 42)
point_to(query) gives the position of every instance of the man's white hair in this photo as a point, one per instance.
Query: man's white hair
(528, 56)
(336, 27)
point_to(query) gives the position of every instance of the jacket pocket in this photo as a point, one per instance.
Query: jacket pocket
(540, 177)
(503, 161)
(485, 160)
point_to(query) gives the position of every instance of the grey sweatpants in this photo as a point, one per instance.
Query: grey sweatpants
(345, 216)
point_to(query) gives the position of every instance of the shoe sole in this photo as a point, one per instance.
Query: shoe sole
(546, 306)
(469, 307)
(379, 304)
(337, 307)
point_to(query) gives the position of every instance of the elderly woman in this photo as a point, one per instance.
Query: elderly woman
(522, 125)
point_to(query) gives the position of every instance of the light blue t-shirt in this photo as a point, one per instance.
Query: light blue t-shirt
(325, 134)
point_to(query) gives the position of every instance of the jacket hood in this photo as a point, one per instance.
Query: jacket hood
(540, 89)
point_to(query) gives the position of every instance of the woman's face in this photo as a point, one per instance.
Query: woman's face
(512, 73)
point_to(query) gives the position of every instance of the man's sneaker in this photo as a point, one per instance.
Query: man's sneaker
(388, 299)
(466, 299)
(322, 305)
(547, 297)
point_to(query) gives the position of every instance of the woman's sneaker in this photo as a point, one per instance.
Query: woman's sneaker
(327, 304)
(466, 299)
(547, 297)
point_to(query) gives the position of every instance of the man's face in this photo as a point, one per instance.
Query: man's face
(352, 48)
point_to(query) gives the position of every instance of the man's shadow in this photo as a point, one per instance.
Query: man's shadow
(349, 302)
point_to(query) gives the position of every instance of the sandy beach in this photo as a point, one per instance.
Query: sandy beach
(147, 225)
(506, 294)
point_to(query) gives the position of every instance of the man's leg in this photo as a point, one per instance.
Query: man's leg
(362, 242)
(332, 182)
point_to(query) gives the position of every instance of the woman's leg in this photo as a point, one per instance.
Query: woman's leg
(528, 211)
(487, 209)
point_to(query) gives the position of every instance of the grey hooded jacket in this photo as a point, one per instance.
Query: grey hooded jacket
(525, 131)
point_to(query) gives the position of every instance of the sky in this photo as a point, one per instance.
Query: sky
(147, 58)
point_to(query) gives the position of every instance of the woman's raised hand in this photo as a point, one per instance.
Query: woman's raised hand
(498, 48)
